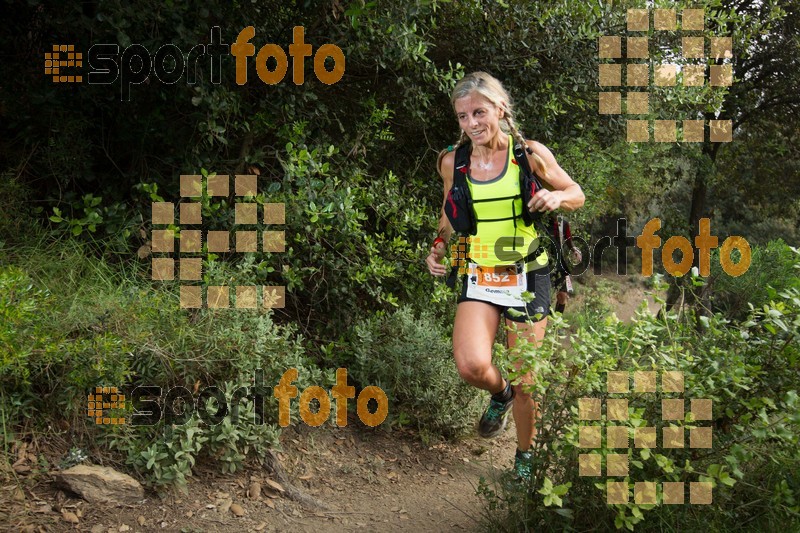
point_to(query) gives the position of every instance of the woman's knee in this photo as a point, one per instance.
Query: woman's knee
(470, 365)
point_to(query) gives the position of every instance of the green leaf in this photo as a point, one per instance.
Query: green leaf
(560, 490)
(547, 486)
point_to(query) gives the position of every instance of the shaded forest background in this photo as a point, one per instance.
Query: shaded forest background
(354, 159)
(354, 163)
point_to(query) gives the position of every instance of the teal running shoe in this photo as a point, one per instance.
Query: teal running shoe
(494, 419)
(522, 466)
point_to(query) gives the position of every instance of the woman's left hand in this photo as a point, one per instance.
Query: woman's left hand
(545, 200)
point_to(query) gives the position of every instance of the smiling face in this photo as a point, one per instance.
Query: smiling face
(479, 118)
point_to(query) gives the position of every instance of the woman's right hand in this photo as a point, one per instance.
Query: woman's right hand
(434, 260)
(576, 256)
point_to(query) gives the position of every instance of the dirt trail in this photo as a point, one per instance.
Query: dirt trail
(625, 293)
(367, 479)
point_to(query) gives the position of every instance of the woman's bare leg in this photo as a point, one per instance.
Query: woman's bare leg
(474, 332)
(525, 409)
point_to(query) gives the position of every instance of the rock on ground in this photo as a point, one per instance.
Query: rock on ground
(100, 484)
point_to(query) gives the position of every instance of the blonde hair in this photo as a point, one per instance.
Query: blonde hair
(490, 88)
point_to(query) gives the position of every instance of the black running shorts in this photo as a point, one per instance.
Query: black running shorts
(538, 285)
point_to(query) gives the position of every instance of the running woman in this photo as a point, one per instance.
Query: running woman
(493, 286)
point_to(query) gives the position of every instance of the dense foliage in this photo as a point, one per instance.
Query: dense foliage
(354, 165)
(750, 370)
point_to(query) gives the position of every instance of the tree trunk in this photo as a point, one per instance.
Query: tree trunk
(697, 208)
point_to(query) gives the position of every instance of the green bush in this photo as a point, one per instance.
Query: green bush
(771, 271)
(750, 371)
(15, 214)
(44, 369)
(72, 322)
(212, 348)
(409, 356)
(165, 455)
(355, 241)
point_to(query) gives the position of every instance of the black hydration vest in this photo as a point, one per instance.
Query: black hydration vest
(458, 206)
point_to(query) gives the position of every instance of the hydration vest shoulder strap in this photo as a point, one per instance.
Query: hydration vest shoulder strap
(461, 165)
(521, 156)
(529, 183)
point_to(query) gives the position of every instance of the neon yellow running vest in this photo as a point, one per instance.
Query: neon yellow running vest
(502, 238)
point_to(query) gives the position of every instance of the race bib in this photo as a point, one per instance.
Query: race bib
(501, 285)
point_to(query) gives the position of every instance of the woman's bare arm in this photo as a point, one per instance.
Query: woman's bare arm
(565, 193)
(445, 230)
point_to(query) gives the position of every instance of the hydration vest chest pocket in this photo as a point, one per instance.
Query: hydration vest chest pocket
(458, 209)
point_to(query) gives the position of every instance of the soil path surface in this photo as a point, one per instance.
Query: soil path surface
(357, 478)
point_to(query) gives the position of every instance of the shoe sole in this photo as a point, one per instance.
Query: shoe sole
(499, 430)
